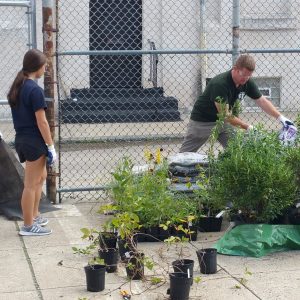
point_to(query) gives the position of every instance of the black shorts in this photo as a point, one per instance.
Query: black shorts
(30, 147)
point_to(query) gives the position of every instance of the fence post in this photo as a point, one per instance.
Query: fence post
(33, 25)
(235, 30)
(203, 45)
(49, 88)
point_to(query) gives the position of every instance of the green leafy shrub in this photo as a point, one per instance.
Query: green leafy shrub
(147, 194)
(253, 174)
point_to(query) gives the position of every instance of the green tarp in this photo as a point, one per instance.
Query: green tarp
(257, 240)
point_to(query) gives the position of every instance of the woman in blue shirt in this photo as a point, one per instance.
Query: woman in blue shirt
(33, 141)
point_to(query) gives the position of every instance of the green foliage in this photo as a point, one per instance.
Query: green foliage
(96, 261)
(204, 194)
(197, 279)
(292, 158)
(156, 280)
(126, 223)
(147, 195)
(297, 122)
(252, 173)
(88, 234)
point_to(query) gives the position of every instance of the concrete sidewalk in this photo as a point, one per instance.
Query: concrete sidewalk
(45, 267)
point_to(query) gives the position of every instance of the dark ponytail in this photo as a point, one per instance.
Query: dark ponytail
(32, 62)
(14, 91)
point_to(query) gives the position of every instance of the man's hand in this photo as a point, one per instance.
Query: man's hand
(51, 155)
(285, 121)
(250, 128)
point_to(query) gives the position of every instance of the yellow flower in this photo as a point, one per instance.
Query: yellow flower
(148, 155)
(158, 156)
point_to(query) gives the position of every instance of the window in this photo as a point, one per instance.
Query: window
(269, 87)
(269, 15)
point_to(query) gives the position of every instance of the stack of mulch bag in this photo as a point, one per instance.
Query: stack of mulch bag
(185, 167)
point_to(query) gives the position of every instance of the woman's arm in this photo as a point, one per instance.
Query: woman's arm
(43, 126)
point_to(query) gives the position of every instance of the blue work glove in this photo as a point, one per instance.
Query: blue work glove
(51, 155)
(285, 122)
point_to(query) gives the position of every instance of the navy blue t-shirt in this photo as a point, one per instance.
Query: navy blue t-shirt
(31, 99)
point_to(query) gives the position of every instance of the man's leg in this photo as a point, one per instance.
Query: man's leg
(225, 134)
(197, 134)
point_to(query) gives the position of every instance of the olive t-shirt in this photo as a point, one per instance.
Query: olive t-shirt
(224, 87)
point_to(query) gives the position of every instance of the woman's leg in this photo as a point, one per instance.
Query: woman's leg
(33, 174)
(38, 192)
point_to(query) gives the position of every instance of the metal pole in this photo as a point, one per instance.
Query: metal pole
(141, 52)
(33, 24)
(49, 88)
(235, 30)
(15, 3)
(203, 59)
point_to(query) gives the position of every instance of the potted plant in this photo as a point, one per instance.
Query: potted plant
(207, 258)
(95, 269)
(127, 224)
(134, 264)
(182, 277)
(180, 285)
(95, 275)
(252, 173)
(109, 256)
(107, 235)
(208, 209)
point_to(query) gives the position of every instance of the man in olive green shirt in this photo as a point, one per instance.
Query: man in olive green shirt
(227, 87)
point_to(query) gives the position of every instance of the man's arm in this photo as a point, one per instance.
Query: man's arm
(233, 120)
(267, 106)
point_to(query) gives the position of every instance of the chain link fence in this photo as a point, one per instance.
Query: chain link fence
(17, 35)
(124, 98)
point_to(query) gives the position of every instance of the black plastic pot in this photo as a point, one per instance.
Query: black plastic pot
(193, 235)
(135, 266)
(180, 286)
(108, 240)
(152, 234)
(207, 260)
(294, 216)
(110, 257)
(164, 234)
(141, 235)
(184, 266)
(95, 277)
(126, 246)
(210, 224)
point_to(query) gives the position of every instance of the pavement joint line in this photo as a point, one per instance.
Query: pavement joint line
(35, 282)
(239, 281)
(235, 278)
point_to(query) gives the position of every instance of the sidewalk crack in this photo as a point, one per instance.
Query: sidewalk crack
(35, 282)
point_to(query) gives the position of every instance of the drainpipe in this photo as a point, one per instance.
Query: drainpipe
(235, 30)
(49, 88)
